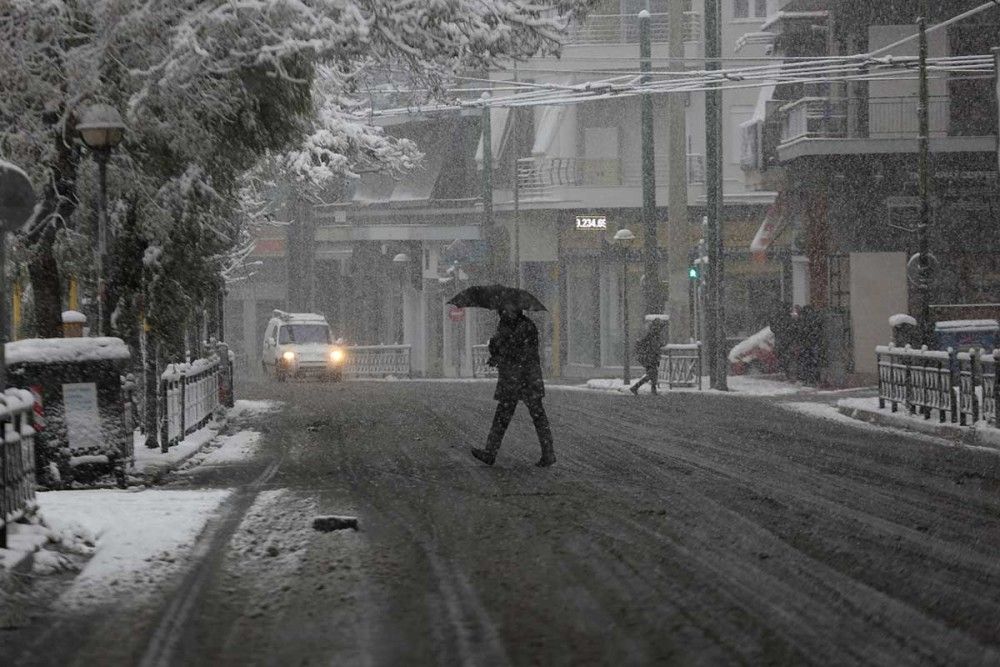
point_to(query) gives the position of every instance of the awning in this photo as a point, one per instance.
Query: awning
(498, 133)
(775, 221)
(547, 128)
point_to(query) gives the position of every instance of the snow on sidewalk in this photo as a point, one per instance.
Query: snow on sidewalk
(141, 537)
(147, 459)
(745, 385)
(225, 450)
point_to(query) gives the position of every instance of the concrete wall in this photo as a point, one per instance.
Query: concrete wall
(878, 290)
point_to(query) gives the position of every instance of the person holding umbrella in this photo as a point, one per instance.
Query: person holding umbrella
(514, 352)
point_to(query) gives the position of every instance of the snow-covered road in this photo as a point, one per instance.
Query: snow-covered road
(690, 528)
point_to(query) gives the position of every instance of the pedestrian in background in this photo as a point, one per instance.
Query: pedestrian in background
(647, 353)
(514, 352)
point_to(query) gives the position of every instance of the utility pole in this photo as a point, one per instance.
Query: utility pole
(488, 231)
(515, 152)
(923, 240)
(652, 302)
(678, 237)
(714, 313)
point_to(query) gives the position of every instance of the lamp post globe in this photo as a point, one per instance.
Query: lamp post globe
(101, 126)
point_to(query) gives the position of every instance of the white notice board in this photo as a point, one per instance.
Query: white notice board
(83, 421)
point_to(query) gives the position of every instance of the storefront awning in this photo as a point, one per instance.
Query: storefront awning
(776, 220)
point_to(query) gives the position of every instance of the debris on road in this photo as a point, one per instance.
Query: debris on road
(332, 522)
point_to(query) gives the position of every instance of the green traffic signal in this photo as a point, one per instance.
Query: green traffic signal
(693, 273)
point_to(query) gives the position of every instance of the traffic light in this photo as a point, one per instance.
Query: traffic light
(693, 273)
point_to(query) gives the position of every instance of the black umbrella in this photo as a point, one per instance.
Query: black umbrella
(494, 297)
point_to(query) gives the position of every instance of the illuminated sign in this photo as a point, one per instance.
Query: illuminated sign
(591, 222)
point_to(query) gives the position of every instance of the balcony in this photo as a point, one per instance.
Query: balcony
(606, 29)
(877, 125)
(538, 177)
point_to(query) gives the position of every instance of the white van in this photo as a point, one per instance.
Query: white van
(299, 344)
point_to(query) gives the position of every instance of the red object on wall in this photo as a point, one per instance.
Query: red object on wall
(456, 314)
(39, 407)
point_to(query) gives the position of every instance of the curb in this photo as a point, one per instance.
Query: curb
(157, 470)
(980, 435)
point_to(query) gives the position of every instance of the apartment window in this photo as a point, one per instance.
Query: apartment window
(742, 9)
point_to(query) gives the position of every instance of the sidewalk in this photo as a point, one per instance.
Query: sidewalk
(134, 529)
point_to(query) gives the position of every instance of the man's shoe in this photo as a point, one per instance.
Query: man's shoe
(486, 457)
(634, 390)
(546, 461)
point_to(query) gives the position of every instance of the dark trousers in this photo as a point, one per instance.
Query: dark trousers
(652, 376)
(505, 412)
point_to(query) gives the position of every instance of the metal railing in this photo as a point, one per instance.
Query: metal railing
(862, 118)
(680, 365)
(481, 369)
(959, 386)
(624, 29)
(17, 457)
(189, 397)
(377, 361)
(537, 176)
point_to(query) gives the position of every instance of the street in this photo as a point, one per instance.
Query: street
(694, 529)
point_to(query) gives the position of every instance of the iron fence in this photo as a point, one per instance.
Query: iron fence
(17, 457)
(959, 386)
(680, 365)
(377, 361)
(480, 367)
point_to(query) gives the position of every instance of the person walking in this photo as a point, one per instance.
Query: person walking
(514, 351)
(647, 353)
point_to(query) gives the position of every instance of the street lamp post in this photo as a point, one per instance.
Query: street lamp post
(401, 260)
(624, 237)
(102, 130)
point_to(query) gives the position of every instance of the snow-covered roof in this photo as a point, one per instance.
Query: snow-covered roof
(968, 325)
(792, 16)
(900, 319)
(73, 317)
(299, 318)
(62, 350)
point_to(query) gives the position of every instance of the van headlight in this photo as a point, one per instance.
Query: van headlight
(336, 355)
(288, 356)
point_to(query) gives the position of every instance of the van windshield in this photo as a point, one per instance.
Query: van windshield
(304, 334)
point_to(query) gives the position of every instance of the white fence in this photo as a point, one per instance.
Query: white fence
(17, 457)
(189, 397)
(680, 365)
(377, 361)
(959, 386)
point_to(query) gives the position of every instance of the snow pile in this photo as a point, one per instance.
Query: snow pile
(899, 319)
(751, 348)
(142, 538)
(63, 350)
(739, 385)
(73, 317)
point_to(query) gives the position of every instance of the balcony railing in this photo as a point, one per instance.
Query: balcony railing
(860, 118)
(538, 176)
(624, 29)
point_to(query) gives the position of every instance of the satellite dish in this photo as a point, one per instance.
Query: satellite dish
(17, 197)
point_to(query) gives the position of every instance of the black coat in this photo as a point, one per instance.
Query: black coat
(647, 349)
(514, 350)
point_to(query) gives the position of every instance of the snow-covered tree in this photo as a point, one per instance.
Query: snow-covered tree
(209, 89)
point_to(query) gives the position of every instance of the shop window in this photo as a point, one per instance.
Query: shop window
(742, 9)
